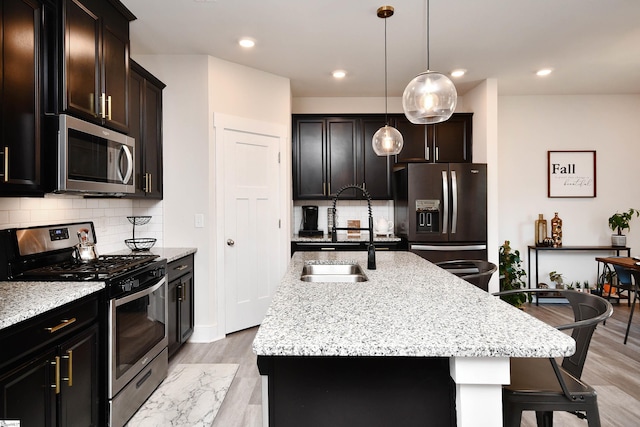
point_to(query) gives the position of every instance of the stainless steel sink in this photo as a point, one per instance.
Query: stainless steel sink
(347, 273)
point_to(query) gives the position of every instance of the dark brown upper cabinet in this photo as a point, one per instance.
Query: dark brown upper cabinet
(446, 142)
(330, 151)
(375, 171)
(96, 61)
(22, 43)
(324, 156)
(145, 126)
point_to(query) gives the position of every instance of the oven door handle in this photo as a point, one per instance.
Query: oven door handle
(147, 291)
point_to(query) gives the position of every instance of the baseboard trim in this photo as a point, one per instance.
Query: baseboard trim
(205, 334)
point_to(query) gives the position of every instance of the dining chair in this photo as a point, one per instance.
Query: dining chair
(475, 271)
(622, 283)
(632, 288)
(543, 386)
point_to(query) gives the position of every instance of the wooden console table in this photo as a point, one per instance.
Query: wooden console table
(536, 249)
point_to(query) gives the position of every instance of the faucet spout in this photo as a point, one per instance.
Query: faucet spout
(371, 249)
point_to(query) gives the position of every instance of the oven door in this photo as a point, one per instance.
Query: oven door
(137, 333)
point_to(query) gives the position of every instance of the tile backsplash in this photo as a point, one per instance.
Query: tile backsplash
(109, 216)
(347, 209)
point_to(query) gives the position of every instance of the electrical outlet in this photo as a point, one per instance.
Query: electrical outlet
(198, 220)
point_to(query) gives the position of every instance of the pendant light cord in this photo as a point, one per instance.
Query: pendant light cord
(427, 31)
(386, 118)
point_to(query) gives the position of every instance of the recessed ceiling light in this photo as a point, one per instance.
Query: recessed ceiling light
(247, 42)
(458, 73)
(339, 74)
(544, 72)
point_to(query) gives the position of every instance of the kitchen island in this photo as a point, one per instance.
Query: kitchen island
(413, 341)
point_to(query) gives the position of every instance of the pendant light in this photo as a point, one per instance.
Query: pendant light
(430, 97)
(387, 141)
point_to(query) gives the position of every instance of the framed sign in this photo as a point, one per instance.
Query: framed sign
(571, 173)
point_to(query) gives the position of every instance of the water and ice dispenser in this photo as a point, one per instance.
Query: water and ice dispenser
(428, 215)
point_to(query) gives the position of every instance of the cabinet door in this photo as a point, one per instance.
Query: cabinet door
(309, 157)
(452, 139)
(415, 139)
(20, 96)
(145, 126)
(81, 67)
(136, 124)
(79, 384)
(376, 170)
(115, 68)
(28, 392)
(172, 319)
(186, 320)
(342, 150)
(152, 134)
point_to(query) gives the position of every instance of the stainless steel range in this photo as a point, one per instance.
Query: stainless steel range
(136, 313)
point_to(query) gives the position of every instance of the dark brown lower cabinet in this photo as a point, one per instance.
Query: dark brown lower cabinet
(58, 384)
(181, 319)
(307, 246)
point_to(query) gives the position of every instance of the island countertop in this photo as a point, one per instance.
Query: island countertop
(408, 307)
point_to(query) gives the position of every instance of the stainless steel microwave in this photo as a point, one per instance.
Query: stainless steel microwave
(93, 159)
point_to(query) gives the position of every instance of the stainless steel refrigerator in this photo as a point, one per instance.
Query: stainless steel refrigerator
(441, 209)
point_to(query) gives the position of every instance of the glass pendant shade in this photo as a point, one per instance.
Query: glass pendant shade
(387, 141)
(429, 98)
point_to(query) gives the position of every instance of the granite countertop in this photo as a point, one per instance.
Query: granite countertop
(408, 307)
(364, 237)
(22, 300)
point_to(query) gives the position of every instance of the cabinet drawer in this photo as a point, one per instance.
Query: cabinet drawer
(180, 267)
(21, 339)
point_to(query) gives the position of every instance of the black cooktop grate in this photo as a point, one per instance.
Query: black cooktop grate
(106, 266)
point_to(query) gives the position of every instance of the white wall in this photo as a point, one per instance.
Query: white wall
(529, 126)
(197, 87)
(483, 101)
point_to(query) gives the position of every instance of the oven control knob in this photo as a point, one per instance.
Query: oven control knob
(126, 286)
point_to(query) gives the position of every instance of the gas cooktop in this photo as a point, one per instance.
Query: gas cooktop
(105, 267)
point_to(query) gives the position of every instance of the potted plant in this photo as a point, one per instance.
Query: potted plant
(619, 222)
(511, 274)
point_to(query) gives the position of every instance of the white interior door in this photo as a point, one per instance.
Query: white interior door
(251, 225)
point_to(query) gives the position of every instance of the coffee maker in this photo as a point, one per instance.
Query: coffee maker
(309, 226)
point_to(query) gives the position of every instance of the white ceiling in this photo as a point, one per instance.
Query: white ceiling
(593, 46)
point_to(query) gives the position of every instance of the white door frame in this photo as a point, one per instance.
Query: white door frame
(222, 122)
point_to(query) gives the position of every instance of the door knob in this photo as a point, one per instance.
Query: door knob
(230, 242)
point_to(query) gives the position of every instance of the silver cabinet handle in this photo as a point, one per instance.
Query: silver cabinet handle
(6, 164)
(103, 108)
(230, 242)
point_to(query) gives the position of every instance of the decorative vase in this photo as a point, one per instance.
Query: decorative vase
(618, 240)
(541, 230)
(556, 231)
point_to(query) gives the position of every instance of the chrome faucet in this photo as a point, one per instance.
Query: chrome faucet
(371, 250)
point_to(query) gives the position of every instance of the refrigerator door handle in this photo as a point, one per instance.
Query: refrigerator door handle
(445, 197)
(454, 202)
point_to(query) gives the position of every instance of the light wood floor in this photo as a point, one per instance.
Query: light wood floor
(611, 367)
